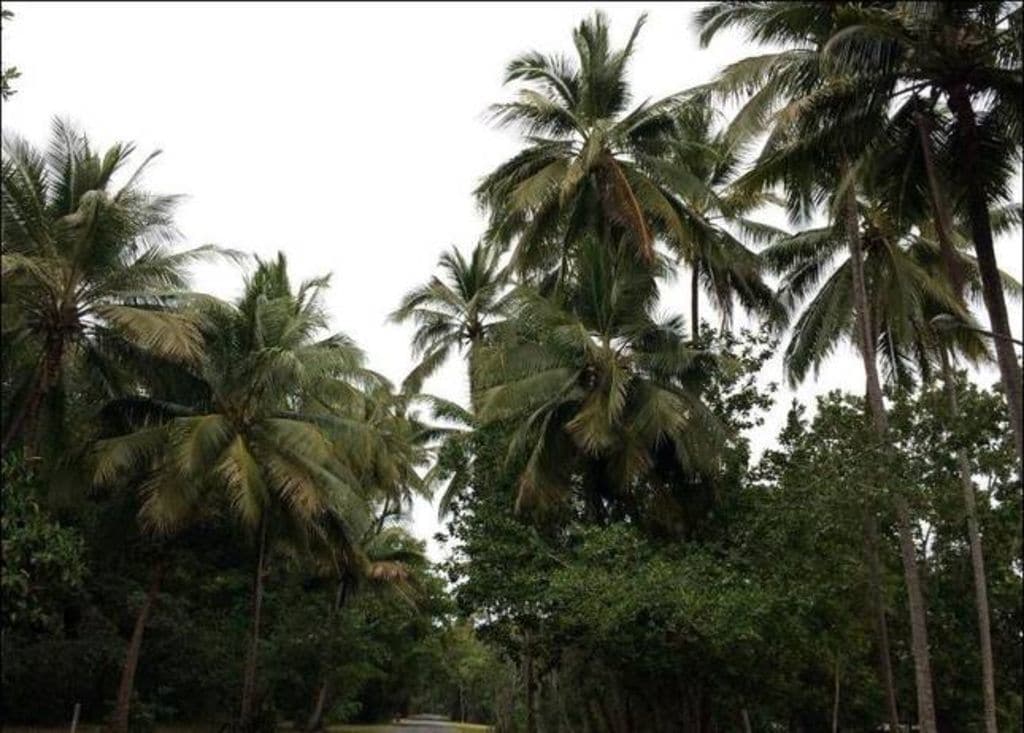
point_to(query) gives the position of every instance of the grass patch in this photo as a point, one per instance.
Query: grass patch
(454, 727)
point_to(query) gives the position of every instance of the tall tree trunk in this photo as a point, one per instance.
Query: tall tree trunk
(918, 619)
(25, 422)
(880, 420)
(881, 622)
(977, 558)
(873, 388)
(944, 227)
(695, 302)
(530, 682)
(992, 285)
(122, 708)
(940, 207)
(21, 420)
(316, 717)
(249, 677)
(474, 398)
(745, 717)
(835, 700)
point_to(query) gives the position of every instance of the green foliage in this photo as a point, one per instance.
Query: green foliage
(43, 562)
(619, 559)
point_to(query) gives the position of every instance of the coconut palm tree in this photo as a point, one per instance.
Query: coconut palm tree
(904, 272)
(819, 130)
(720, 263)
(588, 165)
(383, 561)
(907, 278)
(969, 54)
(261, 444)
(453, 311)
(169, 380)
(599, 391)
(88, 273)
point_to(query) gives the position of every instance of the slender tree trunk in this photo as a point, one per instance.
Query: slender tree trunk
(530, 683)
(563, 714)
(881, 621)
(940, 208)
(25, 422)
(316, 717)
(977, 559)
(474, 398)
(745, 717)
(918, 619)
(874, 390)
(880, 420)
(249, 677)
(835, 700)
(992, 285)
(944, 228)
(695, 302)
(122, 708)
(19, 423)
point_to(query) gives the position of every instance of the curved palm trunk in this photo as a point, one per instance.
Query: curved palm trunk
(943, 222)
(122, 708)
(992, 285)
(695, 303)
(25, 421)
(880, 420)
(977, 561)
(316, 718)
(21, 418)
(249, 677)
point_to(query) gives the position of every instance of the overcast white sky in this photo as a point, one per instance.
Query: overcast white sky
(348, 135)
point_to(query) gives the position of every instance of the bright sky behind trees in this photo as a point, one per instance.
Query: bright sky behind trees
(350, 135)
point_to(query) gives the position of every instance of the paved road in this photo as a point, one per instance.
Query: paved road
(423, 724)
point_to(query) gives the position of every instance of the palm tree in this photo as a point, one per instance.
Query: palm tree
(599, 391)
(904, 272)
(169, 380)
(261, 443)
(397, 444)
(970, 55)
(589, 166)
(88, 274)
(384, 560)
(720, 263)
(454, 311)
(452, 453)
(820, 129)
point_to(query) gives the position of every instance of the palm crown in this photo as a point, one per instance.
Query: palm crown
(591, 164)
(598, 385)
(263, 436)
(903, 269)
(88, 272)
(453, 311)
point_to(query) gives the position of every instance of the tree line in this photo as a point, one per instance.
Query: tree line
(619, 560)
